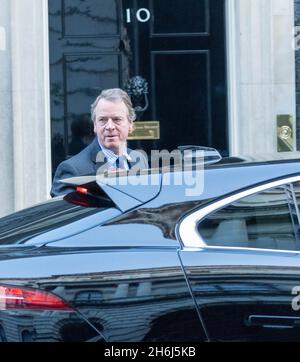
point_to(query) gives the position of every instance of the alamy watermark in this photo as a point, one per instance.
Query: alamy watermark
(296, 299)
(176, 168)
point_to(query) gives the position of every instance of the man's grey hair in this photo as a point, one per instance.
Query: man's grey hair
(114, 95)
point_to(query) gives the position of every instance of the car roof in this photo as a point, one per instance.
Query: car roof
(230, 175)
(265, 158)
(219, 179)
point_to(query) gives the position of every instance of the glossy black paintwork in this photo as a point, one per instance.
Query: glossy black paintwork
(124, 294)
(128, 277)
(230, 287)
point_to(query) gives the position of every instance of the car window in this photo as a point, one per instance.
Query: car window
(296, 187)
(266, 220)
(21, 226)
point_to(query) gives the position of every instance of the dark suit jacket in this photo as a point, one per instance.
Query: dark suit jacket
(85, 163)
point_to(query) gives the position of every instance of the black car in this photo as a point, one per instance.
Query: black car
(157, 262)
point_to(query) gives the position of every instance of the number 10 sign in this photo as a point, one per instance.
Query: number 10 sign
(143, 15)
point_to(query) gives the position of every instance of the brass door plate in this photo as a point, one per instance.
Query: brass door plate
(145, 131)
(285, 133)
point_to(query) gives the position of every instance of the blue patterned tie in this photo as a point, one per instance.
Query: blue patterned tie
(120, 163)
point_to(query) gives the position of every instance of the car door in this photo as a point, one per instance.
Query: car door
(241, 257)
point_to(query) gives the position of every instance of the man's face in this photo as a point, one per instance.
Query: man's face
(112, 125)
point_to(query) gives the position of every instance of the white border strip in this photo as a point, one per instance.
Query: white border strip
(232, 76)
(47, 116)
(188, 228)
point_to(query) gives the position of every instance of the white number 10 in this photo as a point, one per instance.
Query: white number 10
(143, 15)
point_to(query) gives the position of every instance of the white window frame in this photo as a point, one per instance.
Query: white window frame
(188, 228)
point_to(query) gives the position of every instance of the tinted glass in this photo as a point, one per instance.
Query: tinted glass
(266, 220)
(296, 187)
(21, 226)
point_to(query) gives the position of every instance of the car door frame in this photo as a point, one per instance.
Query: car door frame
(207, 264)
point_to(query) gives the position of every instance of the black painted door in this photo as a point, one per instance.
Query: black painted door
(177, 46)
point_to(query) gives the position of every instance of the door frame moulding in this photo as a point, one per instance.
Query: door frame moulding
(47, 114)
(231, 25)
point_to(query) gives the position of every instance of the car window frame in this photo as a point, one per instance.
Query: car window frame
(188, 233)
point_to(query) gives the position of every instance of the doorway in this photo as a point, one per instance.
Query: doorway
(173, 50)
